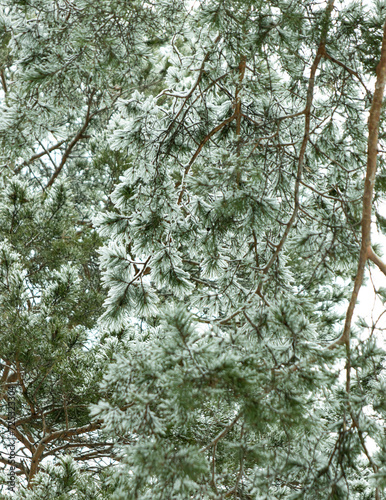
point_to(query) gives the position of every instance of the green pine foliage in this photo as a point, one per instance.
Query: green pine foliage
(232, 242)
(64, 480)
(180, 219)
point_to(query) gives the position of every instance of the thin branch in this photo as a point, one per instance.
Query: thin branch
(12, 463)
(235, 116)
(347, 68)
(238, 114)
(24, 389)
(67, 446)
(188, 95)
(201, 71)
(323, 195)
(198, 150)
(4, 377)
(74, 141)
(377, 261)
(97, 455)
(222, 434)
(307, 115)
(3, 81)
(18, 169)
(18, 435)
(293, 115)
(241, 470)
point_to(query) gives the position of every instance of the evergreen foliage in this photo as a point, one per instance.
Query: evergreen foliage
(212, 155)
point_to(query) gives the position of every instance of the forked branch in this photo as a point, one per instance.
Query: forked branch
(62, 434)
(366, 251)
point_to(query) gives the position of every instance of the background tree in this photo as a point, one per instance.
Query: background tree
(63, 68)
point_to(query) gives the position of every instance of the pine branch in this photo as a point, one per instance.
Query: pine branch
(237, 115)
(18, 435)
(221, 434)
(18, 169)
(347, 68)
(36, 458)
(366, 251)
(198, 151)
(74, 141)
(307, 115)
(24, 389)
(376, 260)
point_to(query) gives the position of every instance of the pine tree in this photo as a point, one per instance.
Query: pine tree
(219, 149)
